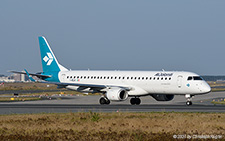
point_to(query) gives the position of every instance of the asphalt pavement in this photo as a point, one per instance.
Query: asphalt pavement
(63, 104)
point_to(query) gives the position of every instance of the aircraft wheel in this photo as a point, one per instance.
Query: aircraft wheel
(132, 101)
(102, 101)
(107, 102)
(188, 103)
(135, 101)
(138, 101)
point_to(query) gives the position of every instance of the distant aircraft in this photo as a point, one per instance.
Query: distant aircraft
(119, 85)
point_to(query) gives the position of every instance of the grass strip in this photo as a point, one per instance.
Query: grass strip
(218, 102)
(11, 99)
(110, 126)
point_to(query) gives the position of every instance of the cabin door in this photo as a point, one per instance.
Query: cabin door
(179, 81)
(63, 76)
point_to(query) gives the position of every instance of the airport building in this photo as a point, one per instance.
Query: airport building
(4, 78)
(14, 78)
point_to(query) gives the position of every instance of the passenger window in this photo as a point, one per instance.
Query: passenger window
(162, 78)
(143, 78)
(84, 77)
(111, 77)
(88, 77)
(127, 77)
(166, 78)
(154, 78)
(108, 77)
(123, 77)
(104, 77)
(115, 77)
(139, 78)
(119, 77)
(131, 78)
(169, 78)
(100, 77)
(150, 78)
(135, 78)
(158, 78)
(146, 78)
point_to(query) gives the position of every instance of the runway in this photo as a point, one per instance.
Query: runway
(59, 108)
(201, 103)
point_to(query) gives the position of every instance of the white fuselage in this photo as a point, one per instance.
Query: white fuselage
(140, 82)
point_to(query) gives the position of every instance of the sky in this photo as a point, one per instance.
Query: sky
(173, 35)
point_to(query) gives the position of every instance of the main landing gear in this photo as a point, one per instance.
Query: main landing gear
(189, 98)
(104, 101)
(135, 101)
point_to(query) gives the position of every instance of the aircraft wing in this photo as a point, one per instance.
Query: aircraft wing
(87, 85)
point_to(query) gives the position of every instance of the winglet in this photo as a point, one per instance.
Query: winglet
(29, 76)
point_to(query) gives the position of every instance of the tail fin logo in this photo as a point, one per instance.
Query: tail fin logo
(48, 58)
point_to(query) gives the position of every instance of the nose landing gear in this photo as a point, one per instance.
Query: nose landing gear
(189, 98)
(188, 103)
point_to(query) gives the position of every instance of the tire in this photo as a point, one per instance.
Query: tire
(102, 101)
(137, 101)
(188, 103)
(132, 101)
(107, 102)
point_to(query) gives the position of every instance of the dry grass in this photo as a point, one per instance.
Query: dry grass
(109, 126)
(28, 86)
(8, 99)
(213, 85)
(218, 102)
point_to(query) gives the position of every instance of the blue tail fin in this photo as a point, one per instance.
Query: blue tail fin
(49, 61)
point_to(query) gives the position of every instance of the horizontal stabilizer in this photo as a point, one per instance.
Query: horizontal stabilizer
(38, 75)
(31, 78)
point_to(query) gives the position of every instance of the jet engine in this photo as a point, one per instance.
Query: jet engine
(116, 94)
(162, 97)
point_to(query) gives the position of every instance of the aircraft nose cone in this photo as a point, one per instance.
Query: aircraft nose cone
(207, 88)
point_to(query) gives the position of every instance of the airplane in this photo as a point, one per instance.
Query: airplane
(119, 85)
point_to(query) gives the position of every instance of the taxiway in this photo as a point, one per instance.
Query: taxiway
(63, 104)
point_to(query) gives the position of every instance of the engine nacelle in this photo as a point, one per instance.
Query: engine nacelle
(117, 94)
(162, 97)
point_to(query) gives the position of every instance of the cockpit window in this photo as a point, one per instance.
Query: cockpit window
(197, 78)
(189, 78)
